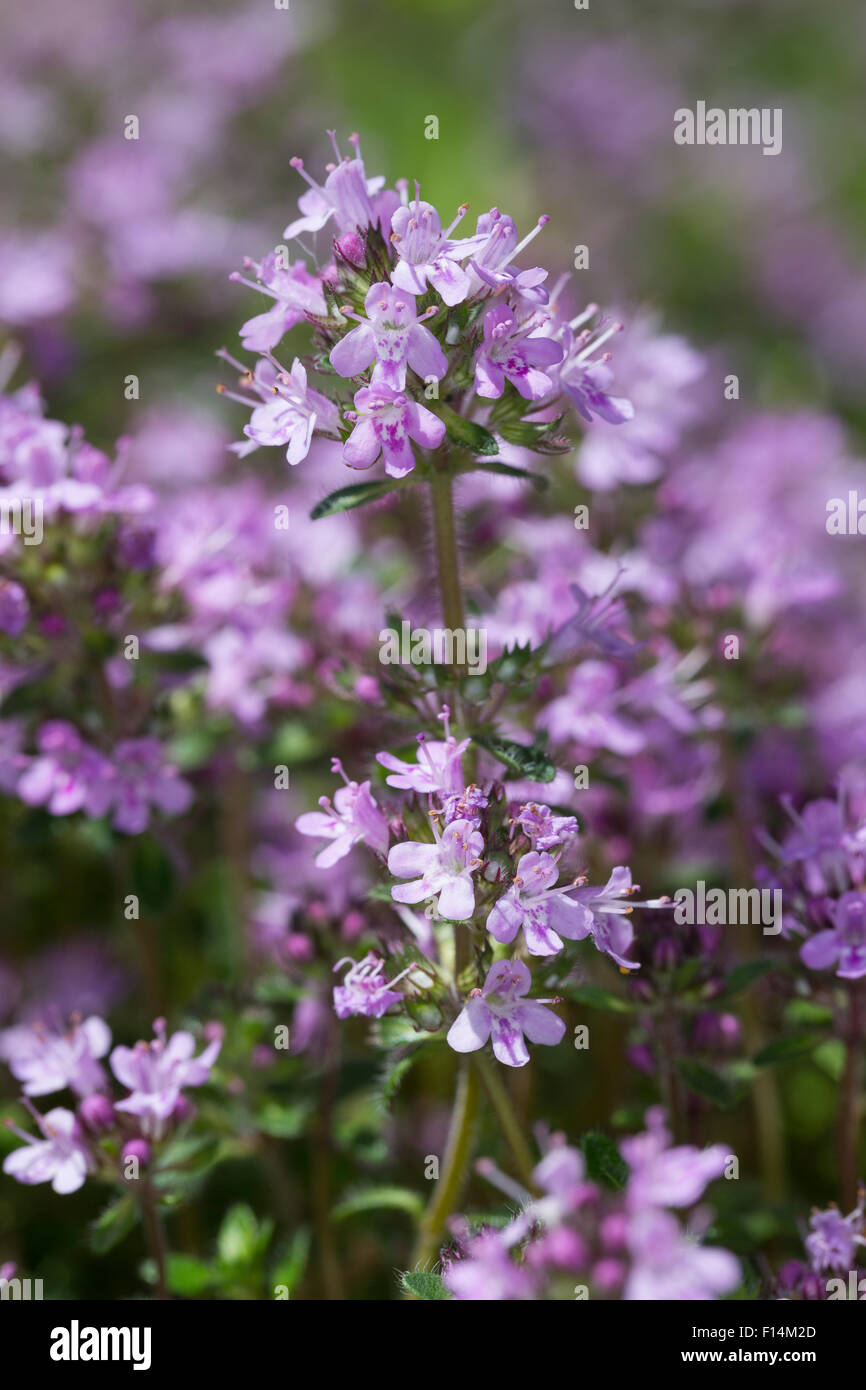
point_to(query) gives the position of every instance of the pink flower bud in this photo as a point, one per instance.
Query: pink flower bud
(97, 1113)
(352, 249)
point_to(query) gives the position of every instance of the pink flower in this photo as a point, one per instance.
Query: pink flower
(491, 265)
(45, 1060)
(543, 828)
(66, 775)
(290, 414)
(347, 196)
(364, 989)
(606, 915)
(354, 817)
(668, 1177)
(512, 350)
(392, 336)
(445, 868)
(296, 293)
(842, 945)
(500, 1010)
(143, 781)
(388, 419)
(668, 1265)
(155, 1072)
(587, 379)
(427, 254)
(61, 1157)
(438, 767)
(534, 903)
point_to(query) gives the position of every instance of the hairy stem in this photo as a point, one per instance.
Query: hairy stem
(445, 540)
(501, 1102)
(457, 1154)
(848, 1134)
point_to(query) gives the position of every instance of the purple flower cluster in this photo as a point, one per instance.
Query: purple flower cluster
(627, 1245)
(398, 243)
(154, 1075)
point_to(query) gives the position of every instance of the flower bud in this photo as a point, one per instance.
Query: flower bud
(96, 1113)
(138, 1149)
(352, 249)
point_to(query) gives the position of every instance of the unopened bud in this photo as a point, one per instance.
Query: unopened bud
(352, 249)
(97, 1113)
(138, 1149)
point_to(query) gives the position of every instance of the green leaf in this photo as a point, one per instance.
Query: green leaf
(185, 1274)
(742, 976)
(524, 761)
(289, 1269)
(466, 434)
(115, 1222)
(785, 1050)
(392, 1074)
(830, 1057)
(355, 495)
(706, 1082)
(241, 1236)
(527, 433)
(597, 998)
(390, 1198)
(283, 1121)
(510, 470)
(152, 874)
(424, 1284)
(806, 1013)
(604, 1162)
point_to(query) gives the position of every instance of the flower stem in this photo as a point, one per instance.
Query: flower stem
(155, 1237)
(445, 539)
(848, 1135)
(457, 1154)
(501, 1102)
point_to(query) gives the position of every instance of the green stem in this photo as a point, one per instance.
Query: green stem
(445, 540)
(461, 1137)
(155, 1237)
(849, 1110)
(766, 1102)
(501, 1102)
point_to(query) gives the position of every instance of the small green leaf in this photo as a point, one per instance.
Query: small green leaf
(597, 998)
(742, 976)
(604, 1162)
(830, 1057)
(510, 470)
(466, 434)
(283, 1121)
(785, 1050)
(242, 1236)
(527, 433)
(185, 1275)
(355, 495)
(807, 1013)
(706, 1082)
(384, 1198)
(289, 1269)
(524, 761)
(115, 1222)
(424, 1284)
